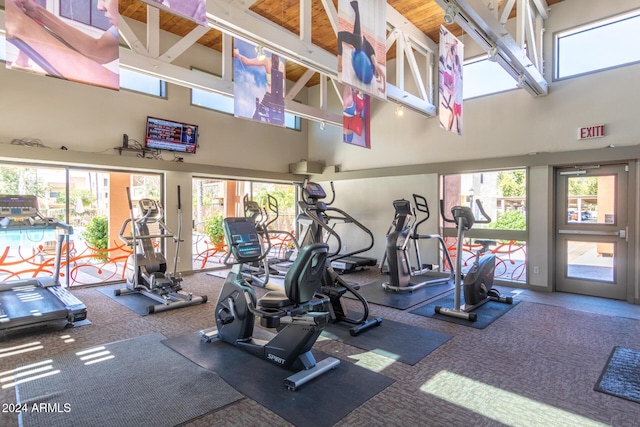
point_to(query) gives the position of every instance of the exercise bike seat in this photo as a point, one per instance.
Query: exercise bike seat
(301, 281)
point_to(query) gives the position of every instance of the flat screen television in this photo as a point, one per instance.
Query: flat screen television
(171, 135)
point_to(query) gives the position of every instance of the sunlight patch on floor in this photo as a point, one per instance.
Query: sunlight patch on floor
(374, 361)
(500, 405)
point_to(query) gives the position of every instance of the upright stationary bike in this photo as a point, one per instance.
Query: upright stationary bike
(478, 282)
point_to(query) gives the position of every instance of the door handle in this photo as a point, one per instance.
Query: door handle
(623, 234)
(620, 233)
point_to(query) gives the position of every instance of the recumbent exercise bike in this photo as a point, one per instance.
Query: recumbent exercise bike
(298, 313)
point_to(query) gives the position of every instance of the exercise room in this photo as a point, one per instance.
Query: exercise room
(319, 213)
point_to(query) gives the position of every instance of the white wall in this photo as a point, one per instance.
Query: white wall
(370, 201)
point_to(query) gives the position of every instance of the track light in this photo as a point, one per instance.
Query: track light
(521, 81)
(323, 125)
(492, 54)
(260, 52)
(450, 13)
(399, 111)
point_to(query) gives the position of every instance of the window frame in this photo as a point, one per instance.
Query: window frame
(583, 28)
(478, 59)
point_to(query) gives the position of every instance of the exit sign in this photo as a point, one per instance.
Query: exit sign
(589, 132)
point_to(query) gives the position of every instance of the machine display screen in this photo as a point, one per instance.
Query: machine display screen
(243, 239)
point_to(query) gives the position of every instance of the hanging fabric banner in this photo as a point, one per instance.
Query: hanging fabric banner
(80, 43)
(258, 84)
(450, 82)
(362, 59)
(356, 117)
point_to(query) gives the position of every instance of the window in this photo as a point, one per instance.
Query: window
(85, 12)
(484, 77)
(211, 204)
(598, 46)
(212, 100)
(93, 253)
(143, 83)
(503, 198)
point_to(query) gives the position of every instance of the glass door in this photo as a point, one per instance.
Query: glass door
(591, 231)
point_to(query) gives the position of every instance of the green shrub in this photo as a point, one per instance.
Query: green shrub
(510, 220)
(97, 234)
(214, 231)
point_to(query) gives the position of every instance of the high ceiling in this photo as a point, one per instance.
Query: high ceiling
(426, 15)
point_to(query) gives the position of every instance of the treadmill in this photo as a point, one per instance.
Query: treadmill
(25, 303)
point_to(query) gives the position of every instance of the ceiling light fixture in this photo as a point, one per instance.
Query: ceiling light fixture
(450, 13)
(399, 111)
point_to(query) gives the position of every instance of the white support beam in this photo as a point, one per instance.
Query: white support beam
(323, 94)
(480, 24)
(184, 43)
(530, 38)
(332, 14)
(543, 8)
(128, 36)
(184, 77)
(174, 74)
(413, 33)
(415, 71)
(522, 7)
(400, 52)
(506, 11)
(305, 20)
(227, 57)
(153, 31)
(300, 84)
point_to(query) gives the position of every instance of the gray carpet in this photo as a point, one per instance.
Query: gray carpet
(135, 382)
(398, 341)
(487, 313)
(321, 402)
(621, 375)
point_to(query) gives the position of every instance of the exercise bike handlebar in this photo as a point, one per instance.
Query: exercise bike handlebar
(486, 219)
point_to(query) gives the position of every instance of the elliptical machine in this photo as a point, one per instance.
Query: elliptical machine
(146, 271)
(397, 255)
(478, 282)
(297, 313)
(317, 215)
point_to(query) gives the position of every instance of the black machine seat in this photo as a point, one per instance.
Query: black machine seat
(302, 280)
